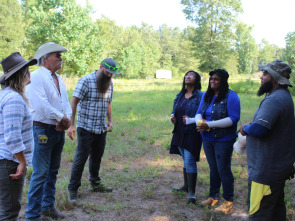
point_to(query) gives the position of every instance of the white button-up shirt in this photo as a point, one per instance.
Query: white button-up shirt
(47, 104)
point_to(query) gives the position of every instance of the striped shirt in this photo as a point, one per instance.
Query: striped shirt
(16, 126)
(93, 105)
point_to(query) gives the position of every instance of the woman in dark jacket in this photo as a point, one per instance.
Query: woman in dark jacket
(220, 112)
(186, 140)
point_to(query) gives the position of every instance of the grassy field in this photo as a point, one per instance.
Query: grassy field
(138, 166)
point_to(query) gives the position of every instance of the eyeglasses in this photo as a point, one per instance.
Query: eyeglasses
(111, 67)
(189, 76)
(214, 79)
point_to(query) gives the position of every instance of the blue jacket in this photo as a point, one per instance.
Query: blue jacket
(219, 111)
(191, 109)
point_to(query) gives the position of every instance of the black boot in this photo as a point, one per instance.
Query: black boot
(191, 180)
(98, 186)
(184, 188)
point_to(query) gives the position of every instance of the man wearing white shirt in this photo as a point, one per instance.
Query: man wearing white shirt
(51, 112)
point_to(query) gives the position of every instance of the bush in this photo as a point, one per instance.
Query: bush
(246, 87)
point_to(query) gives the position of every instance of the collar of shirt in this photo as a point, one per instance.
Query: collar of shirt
(47, 105)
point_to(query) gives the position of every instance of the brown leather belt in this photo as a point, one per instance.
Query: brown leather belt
(40, 124)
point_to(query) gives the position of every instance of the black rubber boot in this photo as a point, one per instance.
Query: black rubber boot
(184, 188)
(191, 181)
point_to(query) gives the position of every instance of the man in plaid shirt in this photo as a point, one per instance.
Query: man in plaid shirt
(93, 95)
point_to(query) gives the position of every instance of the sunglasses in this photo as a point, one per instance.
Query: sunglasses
(214, 79)
(111, 67)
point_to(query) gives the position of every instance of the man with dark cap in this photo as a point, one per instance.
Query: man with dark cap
(270, 144)
(93, 95)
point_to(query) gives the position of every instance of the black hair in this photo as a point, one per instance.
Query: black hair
(223, 74)
(197, 84)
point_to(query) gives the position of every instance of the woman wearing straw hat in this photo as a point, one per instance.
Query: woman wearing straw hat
(16, 134)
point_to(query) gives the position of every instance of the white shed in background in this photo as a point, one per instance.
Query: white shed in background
(166, 74)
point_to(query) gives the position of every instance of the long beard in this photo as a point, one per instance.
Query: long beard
(265, 88)
(103, 83)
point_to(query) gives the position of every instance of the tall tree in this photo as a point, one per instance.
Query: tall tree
(151, 50)
(245, 47)
(213, 38)
(66, 23)
(111, 36)
(11, 27)
(268, 52)
(131, 55)
(289, 52)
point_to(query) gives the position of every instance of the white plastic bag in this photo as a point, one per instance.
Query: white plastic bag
(240, 144)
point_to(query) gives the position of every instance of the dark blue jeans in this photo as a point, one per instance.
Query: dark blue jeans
(10, 191)
(89, 144)
(46, 162)
(219, 155)
(272, 207)
(189, 161)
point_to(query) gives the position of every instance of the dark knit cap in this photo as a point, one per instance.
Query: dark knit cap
(220, 72)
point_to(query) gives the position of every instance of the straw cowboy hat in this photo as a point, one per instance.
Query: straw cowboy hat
(14, 63)
(48, 48)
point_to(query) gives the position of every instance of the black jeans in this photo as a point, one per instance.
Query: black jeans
(272, 207)
(10, 191)
(89, 144)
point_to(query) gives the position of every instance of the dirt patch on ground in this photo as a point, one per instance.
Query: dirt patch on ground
(142, 191)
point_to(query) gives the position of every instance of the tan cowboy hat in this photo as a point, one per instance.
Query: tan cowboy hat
(12, 64)
(48, 48)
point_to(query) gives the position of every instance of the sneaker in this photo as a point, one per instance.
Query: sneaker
(98, 186)
(53, 214)
(72, 197)
(226, 207)
(210, 202)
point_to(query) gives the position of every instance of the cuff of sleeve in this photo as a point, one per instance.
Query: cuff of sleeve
(59, 117)
(198, 117)
(209, 123)
(246, 128)
(18, 149)
(190, 120)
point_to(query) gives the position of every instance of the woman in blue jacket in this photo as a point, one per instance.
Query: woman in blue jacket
(186, 140)
(220, 112)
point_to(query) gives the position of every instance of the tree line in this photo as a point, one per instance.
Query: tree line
(219, 39)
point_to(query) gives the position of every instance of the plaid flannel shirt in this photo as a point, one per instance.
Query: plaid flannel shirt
(93, 105)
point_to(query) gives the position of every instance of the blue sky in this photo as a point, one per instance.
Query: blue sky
(271, 19)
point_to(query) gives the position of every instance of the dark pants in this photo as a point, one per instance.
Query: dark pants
(10, 191)
(219, 155)
(272, 207)
(89, 144)
(46, 163)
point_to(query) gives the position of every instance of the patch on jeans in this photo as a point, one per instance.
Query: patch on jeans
(42, 139)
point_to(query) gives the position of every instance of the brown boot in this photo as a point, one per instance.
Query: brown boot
(54, 214)
(226, 207)
(210, 202)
